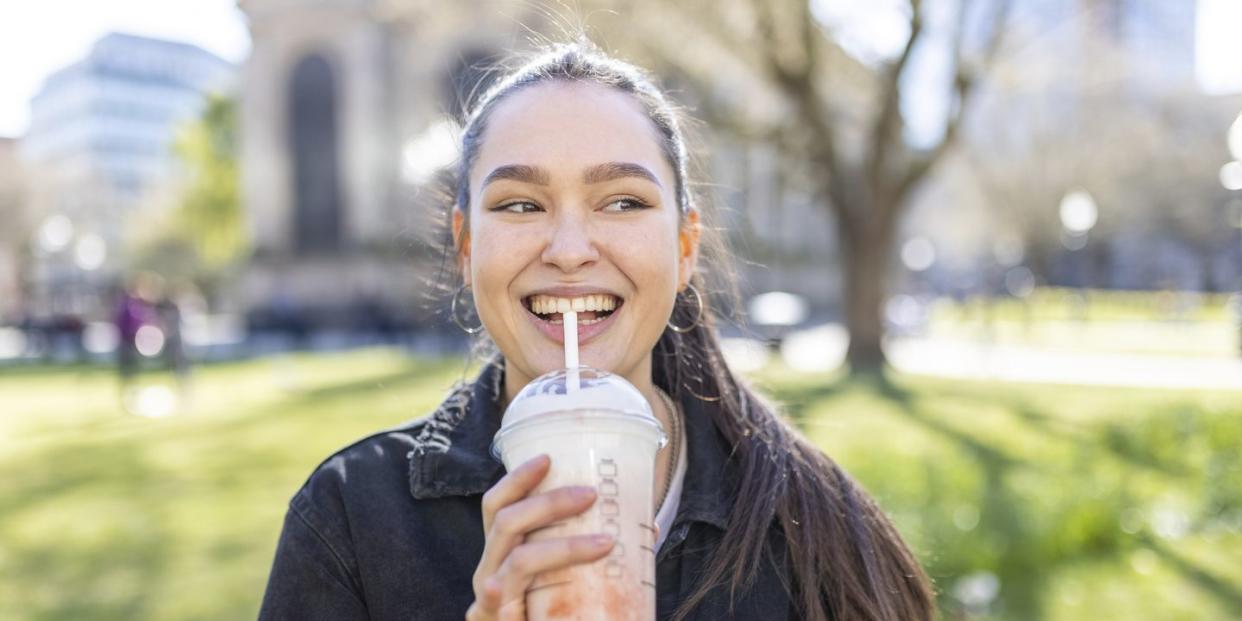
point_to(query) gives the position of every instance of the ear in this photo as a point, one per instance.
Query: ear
(461, 243)
(688, 244)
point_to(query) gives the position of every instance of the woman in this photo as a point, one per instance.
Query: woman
(573, 183)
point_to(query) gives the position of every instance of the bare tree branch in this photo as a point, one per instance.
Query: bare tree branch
(811, 39)
(800, 83)
(964, 82)
(882, 137)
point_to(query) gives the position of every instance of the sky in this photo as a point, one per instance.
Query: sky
(1218, 45)
(38, 37)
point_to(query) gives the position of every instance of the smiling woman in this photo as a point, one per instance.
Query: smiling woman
(573, 193)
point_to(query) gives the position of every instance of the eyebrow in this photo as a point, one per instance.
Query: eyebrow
(599, 173)
(617, 170)
(517, 172)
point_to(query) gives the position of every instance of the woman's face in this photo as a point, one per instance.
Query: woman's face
(572, 203)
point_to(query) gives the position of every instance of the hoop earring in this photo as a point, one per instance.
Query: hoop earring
(698, 316)
(457, 320)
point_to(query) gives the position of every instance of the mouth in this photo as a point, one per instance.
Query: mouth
(592, 309)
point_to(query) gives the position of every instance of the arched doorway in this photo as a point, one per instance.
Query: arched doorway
(313, 143)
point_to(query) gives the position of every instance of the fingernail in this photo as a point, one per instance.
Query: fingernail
(601, 540)
(584, 492)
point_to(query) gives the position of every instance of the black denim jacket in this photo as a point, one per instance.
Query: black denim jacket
(391, 527)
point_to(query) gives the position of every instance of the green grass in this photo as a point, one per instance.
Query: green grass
(1083, 503)
(1060, 304)
(105, 515)
(1161, 323)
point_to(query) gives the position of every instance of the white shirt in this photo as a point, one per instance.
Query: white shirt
(668, 510)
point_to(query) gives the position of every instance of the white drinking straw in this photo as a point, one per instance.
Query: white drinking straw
(570, 318)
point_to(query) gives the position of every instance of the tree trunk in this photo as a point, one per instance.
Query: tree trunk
(866, 250)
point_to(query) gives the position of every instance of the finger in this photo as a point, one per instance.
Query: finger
(531, 559)
(490, 597)
(512, 523)
(487, 603)
(513, 611)
(513, 487)
(476, 613)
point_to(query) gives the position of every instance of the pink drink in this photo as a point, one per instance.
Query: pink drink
(603, 436)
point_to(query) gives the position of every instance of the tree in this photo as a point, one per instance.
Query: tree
(210, 212)
(841, 117)
(204, 235)
(15, 229)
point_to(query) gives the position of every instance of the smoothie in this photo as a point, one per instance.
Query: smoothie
(600, 434)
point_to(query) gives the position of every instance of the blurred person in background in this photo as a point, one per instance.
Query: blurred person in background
(134, 309)
(573, 172)
(171, 309)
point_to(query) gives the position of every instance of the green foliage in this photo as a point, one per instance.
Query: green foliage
(202, 236)
(210, 213)
(1081, 503)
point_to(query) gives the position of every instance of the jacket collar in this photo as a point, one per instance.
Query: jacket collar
(452, 450)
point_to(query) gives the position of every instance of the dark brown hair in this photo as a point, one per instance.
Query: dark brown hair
(847, 561)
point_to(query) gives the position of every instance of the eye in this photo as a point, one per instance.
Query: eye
(517, 207)
(627, 203)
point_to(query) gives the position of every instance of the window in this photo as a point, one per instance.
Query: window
(313, 145)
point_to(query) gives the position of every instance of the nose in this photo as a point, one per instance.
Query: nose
(570, 245)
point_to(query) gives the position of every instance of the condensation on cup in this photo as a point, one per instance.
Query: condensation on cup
(598, 431)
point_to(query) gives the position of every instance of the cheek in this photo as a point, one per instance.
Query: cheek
(656, 247)
(647, 255)
(487, 267)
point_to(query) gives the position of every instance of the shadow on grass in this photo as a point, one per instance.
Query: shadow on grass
(797, 399)
(114, 550)
(109, 547)
(1113, 436)
(1012, 518)
(1228, 594)
(120, 554)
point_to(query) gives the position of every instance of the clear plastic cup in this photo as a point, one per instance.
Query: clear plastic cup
(600, 433)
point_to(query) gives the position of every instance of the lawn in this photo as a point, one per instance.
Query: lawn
(1164, 323)
(1025, 502)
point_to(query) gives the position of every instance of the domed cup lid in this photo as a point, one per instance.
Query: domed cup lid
(596, 390)
(563, 393)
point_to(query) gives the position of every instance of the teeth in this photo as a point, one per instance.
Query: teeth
(583, 322)
(545, 304)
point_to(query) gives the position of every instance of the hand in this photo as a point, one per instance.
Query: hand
(509, 564)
